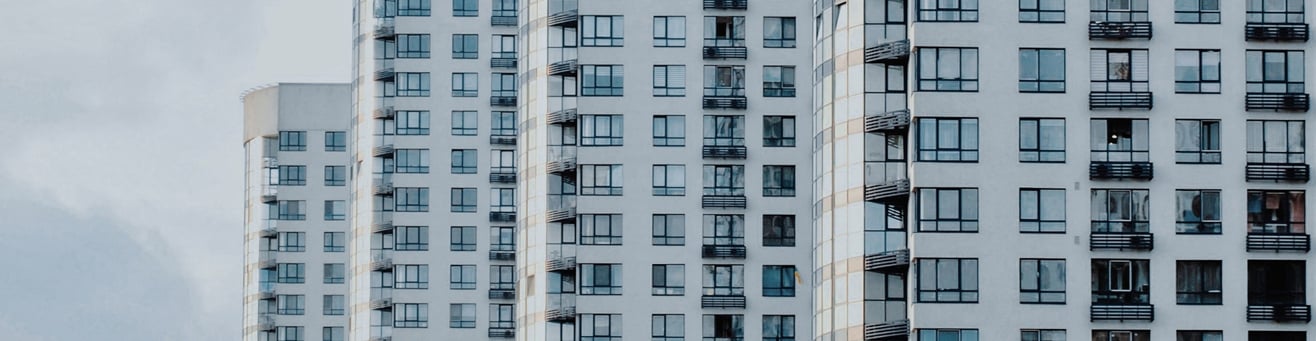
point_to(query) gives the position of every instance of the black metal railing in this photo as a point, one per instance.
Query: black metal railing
(502, 294)
(1123, 312)
(566, 67)
(888, 191)
(887, 122)
(891, 330)
(502, 217)
(1278, 242)
(724, 251)
(739, 102)
(1278, 172)
(1120, 241)
(1120, 170)
(722, 301)
(502, 20)
(1277, 31)
(509, 140)
(561, 314)
(502, 332)
(726, 4)
(1279, 313)
(891, 52)
(1119, 30)
(564, 116)
(506, 63)
(561, 264)
(887, 262)
(1278, 101)
(725, 152)
(724, 201)
(564, 18)
(502, 255)
(725, 52)
(1120, 100)
(502, 101)
(502, 177)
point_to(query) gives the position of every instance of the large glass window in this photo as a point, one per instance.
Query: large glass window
(1197, 11)
(465, 123)
(948, 209)
(669, 31)
(668, 327)
(724, 280)
(1197, 71)
(668, 279)
(1197, 211)
(948, 69)
(413, 84)
(669, 80)
(503, 123)
(335, 141)
(778, 131)
(411, 276)
(1042, 11)
(1121, 281)
(947, 280)
(461, 315)
(1198, 282)
(601, 80)
(465, 84)
(1043, 335)
(1200, 335)
(462, 238)
(465, 46)
(292, 175)
(1041, 70)
(335, 210)
(779, 281)
(778, 181)
(948, 139)
(1276, 11)
(600, 279)
(418, 160)
(465, 8)
(724, 81)
(411, 238)
(463, 200)
(413, 8)
(601, 180)
(600, 327)
(291, 304)
(292, 141)
(1120, 210)
(778, 327)
(335, 175)
(1041, 140)
(668, 180)
(1277, 212)
(778, 81)
(779, 32)
(461, 277)
(948, 10)
(601, 30)
(1120, 140)
(724, 327)
(778, 230)
(1274, 141)
(413, 123)
(724, 180)
(601, 130)
(600, 229)
(724, 230)
(669, 130)
(1119, 11)
(1197, 141)
(1042, 210)
(669, 229)
(1042, 281)
(1276, 71)
(724, 31)
(1120, 70)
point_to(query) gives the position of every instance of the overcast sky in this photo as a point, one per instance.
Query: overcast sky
(121, 179)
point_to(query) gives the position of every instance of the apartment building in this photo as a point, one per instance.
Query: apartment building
(1052, 170)
(295, 273)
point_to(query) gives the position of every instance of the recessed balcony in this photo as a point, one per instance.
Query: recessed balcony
(891, 52)
(887, 122)
(1257, 101)
(1119, 30)
(1298, 172)
(1120, 171)
(1277, 31)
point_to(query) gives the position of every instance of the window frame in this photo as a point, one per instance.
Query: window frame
(779, 230)
(459, 200)
(785, 35)
(663, 33)
(783, 285)
(957, 12)
(662, 282)
(462, 238)
(1197, 274)
(669, 81)
(1033, 288)
(1045, 149)
(1037, 14)
(1043, 198)
(1201, 225)
(929, 61)
(1206, 149)
(670, 224)
(964, 148)
(609, 285)
(1197, 14)
(592, 34)
(1200, 81)
(664, 135)
(593, 83)
(962, 291)
(462, 277)
(1040, 81)
(664, 179)
(964, 221)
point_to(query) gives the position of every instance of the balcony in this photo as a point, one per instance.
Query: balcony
(725, 251)
(383, 150)
(890, 262)
(725, 152)
(381, 262)
(385, 112)
(724, 201)
(726, 4)
(383, 222)
(564, 116)
(1120, 100)
(739, 102)
(726, 52)
(887, 122)
(1278, 101)
(383, 185)
(1119, 30)
(1299, 172)
(270, 194)
(891, 52)
(268, 260)
(502, 177)
(265, 323)
(502, 217)
(561, 263)
(1277, 32)
(382, 303)
(1123, 312)
(564, 18)
(1140, 241)
(562, 162)
(385, 30)
(385, 74)
(722, 301)
(269, 231)
(890, 191)
(502, 294)
(506, 333)
(1120, 171)
(563, 68)
(891, 330)
(1278, 242)
(504, 63)
(1279, 313)
(502, 255)
(505, 140)
(562, 314)
(502, 20)
(266, 291)
(502, 101)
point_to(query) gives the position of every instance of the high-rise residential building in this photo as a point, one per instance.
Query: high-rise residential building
(296, 161)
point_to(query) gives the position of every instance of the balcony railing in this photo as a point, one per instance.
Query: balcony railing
(561, 263)
(1278, 242)
(1120, 170)
(502, 217)
(1120, 241)
(383, 150)
(1123, 312)
(1119, 30)
(722, 301)
(562, 161)
(564, 18)
(1277, 31)
(725, 251)
(502, 101)
(502, 294)
(385, 112)
(890, 191)
(566, 67)
(725, 52)
(739, 102)
(890, 330)
(385, 30)
(726, 4)
(887, 262)
(564, 116)
(383, 222)
(502, 177)
(1278, 172)
(265, 322)
(725, 152)
(381, 261)
(383, 185)
(1279, 313)
(386, 74)
(724, 201)
(268, 260)
(381, 303)
(502, 255)
(502, 20)
(506, 140)
(505, 63)
(1120, 100)
(1278, 101)
(892, 52)
(502, 332)
(891, 121)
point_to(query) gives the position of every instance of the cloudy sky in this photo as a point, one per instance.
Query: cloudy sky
(120, 187)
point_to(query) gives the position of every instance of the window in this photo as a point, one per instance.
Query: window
(779, 32)
(778, 131)
(724, 130)
(502, 316)
(1120, 71)
(1041, 70)
(778, 230)
(292, 175)
(334, 333)
(503, 123)
(463, 161)
(669, 130)
(1042, 11)
(291, 304)
(600, 327)
(1120, 210)
(1272, 71)
(335, 141)
(948, 210)
(417, 45)
(413, 122)
(601, 130)
(465, 84)
(1121, 281)
(948, 10)
(292, 141)
(1197, 141)
(668, 180)
(600, 229)
(504, 85)
(779, 281)
(1042, 281)
(1120, 335)
(335, 273)
(290, 333)
(601, 80)
(1274, 141)
(1198, 211)
(724, 327)
(290, 273)
(948, 139)
(601, 30)
(463, 200)
(335, 210)
(1198, 282)
(724, 81)
(948, 334)
(947, 280)
(1041, 140)
(292, 241)
(668, 327)
(668, 32)
(411, 161)
(411, 238)
(465, 8)
(1272, 11)
(462, 238)
(600, 279)
(335, 242)
(1199, 335)
(504, 8)
(461, 277)
(465, 46)
(948, 69)
(601, 180)
(778, 81)
(778, 327)
(461, 315)
(724, 180)
(1119, 11)
(502, 277)
(724, 280)
(1276, 283)
(669, 80)
(502, 200)
(1276, 212)
(411, 276)
(413, 84)
(335, 175)
(1197, 71)
(726, 31)
(412, 199)
(669, 229)
(504, 45)
(1042, 210)
(290, 209)
(465, 123)
(778, 181)
(1042, 335)
(413, 8)
(1197, 11)
(668, 279)
(1119, 140)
